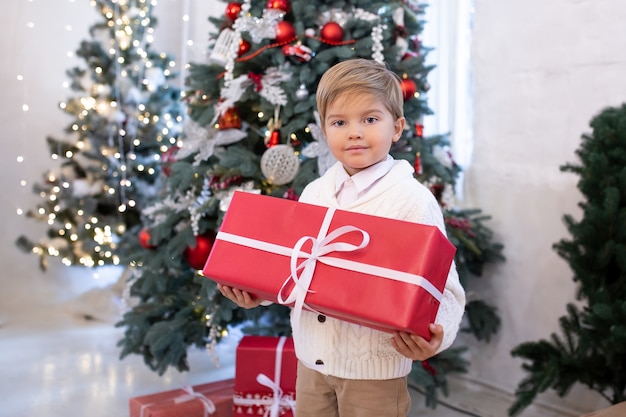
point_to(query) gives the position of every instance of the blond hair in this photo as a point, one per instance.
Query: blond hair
(358, 76)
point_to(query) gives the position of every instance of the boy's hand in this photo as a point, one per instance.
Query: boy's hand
(241, 298)
(416, 347)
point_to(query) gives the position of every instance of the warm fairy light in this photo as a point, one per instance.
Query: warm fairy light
(88, 262)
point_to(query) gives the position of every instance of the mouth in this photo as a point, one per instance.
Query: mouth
(356, 148)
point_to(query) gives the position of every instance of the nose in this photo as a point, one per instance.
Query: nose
(356, 132)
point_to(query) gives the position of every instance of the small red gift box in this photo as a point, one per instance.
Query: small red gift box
(265, 376)
(214, 400)
(379, 272)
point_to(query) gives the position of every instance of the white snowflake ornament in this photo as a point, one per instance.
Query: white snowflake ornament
(319, 148)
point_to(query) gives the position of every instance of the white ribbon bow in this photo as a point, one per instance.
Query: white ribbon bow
(209, 406)
(272, 405)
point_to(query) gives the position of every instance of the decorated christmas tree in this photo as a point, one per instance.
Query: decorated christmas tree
(124, 117)
(591, 349)
(252, 126)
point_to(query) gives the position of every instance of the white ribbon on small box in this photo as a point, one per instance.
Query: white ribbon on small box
(324, 244)
(190, 395)
(272, 403)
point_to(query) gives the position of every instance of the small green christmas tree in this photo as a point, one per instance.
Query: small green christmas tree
(125, 115)
(252, 126)
(592, 347)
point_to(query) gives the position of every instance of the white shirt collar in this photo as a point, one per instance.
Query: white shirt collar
(365, 178)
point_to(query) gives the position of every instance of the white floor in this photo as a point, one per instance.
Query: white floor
(57, 364)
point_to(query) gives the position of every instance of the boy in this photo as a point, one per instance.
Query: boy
(345, 369)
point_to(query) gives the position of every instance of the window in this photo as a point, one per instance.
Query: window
(448, 30)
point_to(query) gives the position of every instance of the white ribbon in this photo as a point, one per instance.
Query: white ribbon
(272, 404)
(209, 406)
(322, 245)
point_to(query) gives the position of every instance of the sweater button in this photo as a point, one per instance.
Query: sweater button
(321, 318)
(319, 362)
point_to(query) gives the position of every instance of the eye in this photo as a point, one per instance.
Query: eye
(338, 123)
(371, 119)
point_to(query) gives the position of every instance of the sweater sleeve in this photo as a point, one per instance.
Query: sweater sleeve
(452, 305)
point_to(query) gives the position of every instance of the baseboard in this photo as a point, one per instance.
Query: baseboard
(469, 393)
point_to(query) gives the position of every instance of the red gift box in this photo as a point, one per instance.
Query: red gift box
(379, 272)
(265, 377)
(214, 399)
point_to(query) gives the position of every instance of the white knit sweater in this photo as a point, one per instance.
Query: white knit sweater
(350, 351)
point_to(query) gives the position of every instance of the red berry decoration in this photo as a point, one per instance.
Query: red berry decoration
(279, 5)
(232, 10)
(244, 47)
(409, 88)
(167, 159)
(285, 31)
(332, 32)
(196, 257)
(144, 239)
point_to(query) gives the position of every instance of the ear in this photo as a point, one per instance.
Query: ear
(398, 128)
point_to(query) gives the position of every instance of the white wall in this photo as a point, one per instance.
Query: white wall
(542, 70)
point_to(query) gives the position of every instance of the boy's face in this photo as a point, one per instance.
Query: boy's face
(360, 130)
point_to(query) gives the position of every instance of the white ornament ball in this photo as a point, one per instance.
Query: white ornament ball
(302, 92)
(280, 164)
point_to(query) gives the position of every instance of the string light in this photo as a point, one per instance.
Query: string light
(129, 31)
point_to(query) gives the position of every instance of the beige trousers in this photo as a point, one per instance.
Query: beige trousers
(318, 395)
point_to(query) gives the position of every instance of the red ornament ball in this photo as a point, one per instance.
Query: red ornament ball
(144, 239)
(196, 256)
(278, 4)
(244, 47)
(332, 32)
(285, 31)
(409, 88)
(232, 10)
